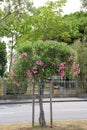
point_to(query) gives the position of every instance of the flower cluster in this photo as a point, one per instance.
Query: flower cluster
(52, 64)
(70, 58)
(75, 67)
(24, 54)
(14, 61)
(18, 84)
(40, 63)
(12, 73)
(31, 72)
(34, 70)
(61, 68)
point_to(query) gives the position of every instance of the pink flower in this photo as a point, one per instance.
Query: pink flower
(20, 57)
(62, 66)
(24, 54)
(77, 72)
(52, 64)
(76, 68)
(12, 73)
(40, 63)
(14, 61)
(17, 83)
(29, 73)
(70, 58)
(34, 70)
(62, 73)
(73, 65)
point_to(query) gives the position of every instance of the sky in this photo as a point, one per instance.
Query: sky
(71, 5)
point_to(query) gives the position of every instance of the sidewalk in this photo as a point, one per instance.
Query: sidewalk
(45, 100)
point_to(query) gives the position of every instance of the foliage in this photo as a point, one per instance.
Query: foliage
(13, 31)
(82, 58)
(41, 60)
(56, 6)
(81, 49)
(12, 19)
(12, 90)
(18, 6)
(3, 59)
(84, 4)
(76, 26)
(45, 24)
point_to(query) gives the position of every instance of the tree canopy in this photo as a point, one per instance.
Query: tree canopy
(3, 59)
(84, 4)
(77, 28)
(41, 60)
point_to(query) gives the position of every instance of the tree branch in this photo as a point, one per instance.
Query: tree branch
(2, 19)
(9, 13)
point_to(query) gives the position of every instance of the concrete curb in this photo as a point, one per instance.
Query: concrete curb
(44, 101)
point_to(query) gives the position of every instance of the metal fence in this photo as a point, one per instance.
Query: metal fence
(60, 88)
(1, 87)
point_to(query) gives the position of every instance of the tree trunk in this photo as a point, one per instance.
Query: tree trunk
(11, 53)
(41, 116)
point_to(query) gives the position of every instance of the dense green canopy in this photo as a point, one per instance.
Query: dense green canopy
(41, 60)
(2, 58)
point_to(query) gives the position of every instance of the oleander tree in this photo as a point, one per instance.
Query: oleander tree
(41, 60)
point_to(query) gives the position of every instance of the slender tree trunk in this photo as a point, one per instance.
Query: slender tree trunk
(11, 53)
(41, 116)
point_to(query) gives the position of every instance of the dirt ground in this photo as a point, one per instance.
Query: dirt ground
(57, 125)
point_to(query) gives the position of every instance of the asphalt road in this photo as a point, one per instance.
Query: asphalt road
(16, 113)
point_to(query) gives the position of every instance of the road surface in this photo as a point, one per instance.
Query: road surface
(16, 113)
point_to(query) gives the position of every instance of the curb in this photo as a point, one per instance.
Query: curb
(48, 101)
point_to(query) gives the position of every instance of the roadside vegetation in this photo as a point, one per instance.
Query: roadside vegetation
(59, 125)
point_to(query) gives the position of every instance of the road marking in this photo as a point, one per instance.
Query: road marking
(7, 113)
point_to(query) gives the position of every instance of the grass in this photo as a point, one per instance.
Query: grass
(57, 125)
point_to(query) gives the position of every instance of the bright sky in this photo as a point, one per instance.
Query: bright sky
(71, 5)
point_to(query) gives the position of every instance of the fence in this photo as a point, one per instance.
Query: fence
(60, 88)
(1, 87)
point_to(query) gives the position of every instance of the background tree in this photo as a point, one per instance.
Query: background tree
(46, 19)
(12, 20)
(81, 49)
(84, 4)
(17, 7)
(3, 59)
(77, 28)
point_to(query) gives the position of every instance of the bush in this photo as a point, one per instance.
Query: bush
(11, 89)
